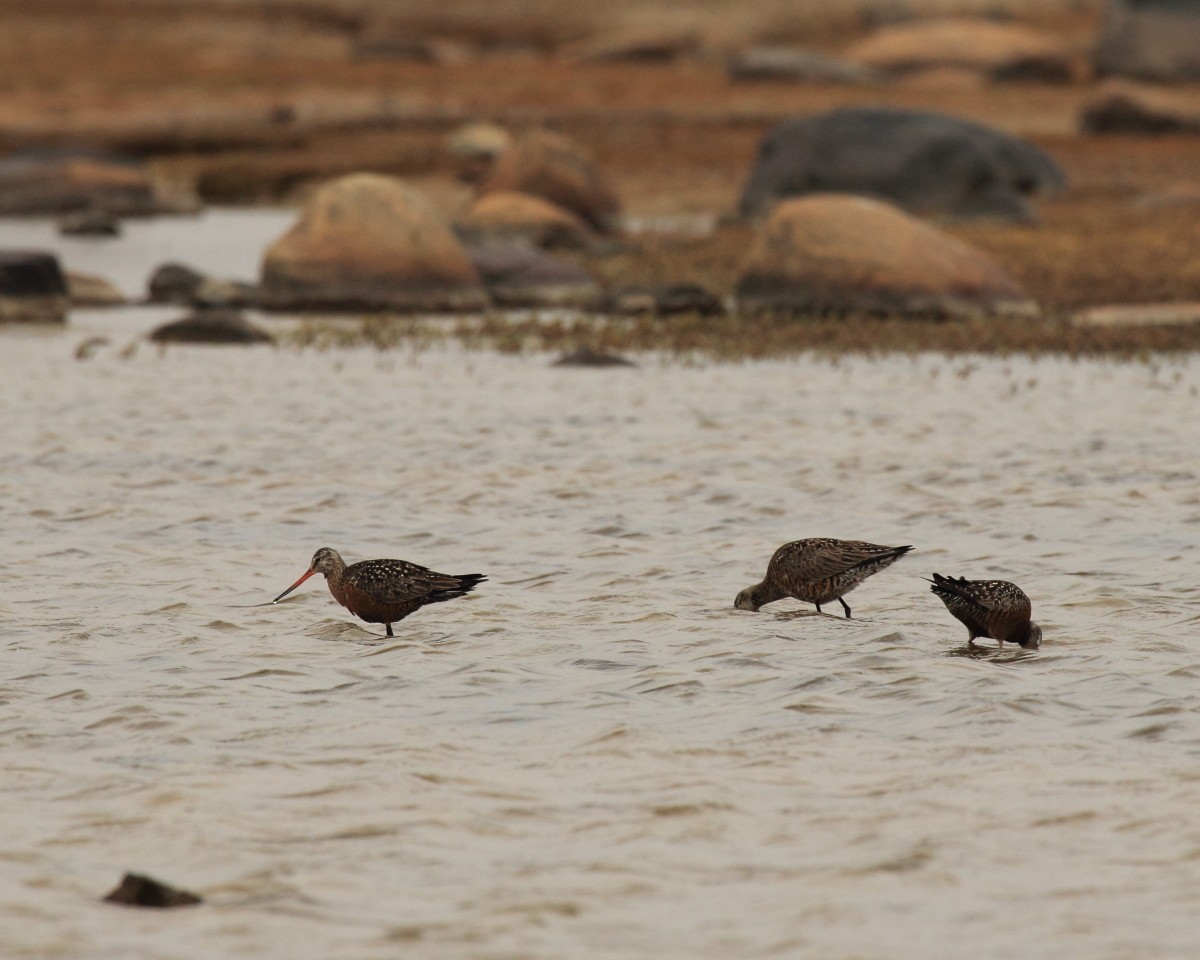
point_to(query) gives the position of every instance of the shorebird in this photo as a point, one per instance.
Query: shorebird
(995, 609)
(818, 570)
(384, 591)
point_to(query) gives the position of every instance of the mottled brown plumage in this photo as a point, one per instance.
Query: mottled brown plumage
(995, 609)
(818, 570)
(384, 591)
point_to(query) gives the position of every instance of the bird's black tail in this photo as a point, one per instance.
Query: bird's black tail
(466, 582)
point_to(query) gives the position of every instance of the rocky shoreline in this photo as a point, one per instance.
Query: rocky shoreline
(538, 161)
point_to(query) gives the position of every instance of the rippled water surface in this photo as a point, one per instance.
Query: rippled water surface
(594, 755)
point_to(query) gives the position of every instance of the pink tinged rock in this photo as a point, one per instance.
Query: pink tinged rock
(835, 253)
(366, 242)
(553, 167)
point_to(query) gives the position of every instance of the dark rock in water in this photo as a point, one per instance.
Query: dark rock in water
(32, 288)
(1150, 40)
(523, 276)
(926, 162)
(664, 301)
(795, 65)
(58, 180)
(93, 222)
(178, 283)
(588, 357)
(1120, 106)
(138, 890)
(174, 283)
(213, 327)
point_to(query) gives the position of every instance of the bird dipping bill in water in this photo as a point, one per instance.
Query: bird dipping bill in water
(384, 591)
(818, 570)
(995, 609)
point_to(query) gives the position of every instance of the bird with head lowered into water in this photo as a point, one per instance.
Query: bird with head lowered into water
(995, 609)
(818, 570)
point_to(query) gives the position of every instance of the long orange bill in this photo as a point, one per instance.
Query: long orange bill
(294, 586)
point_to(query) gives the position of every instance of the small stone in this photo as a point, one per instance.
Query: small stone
(86, 290)
(211, 327)
(138, 890)
(174, 283)
(665, 301)
(93, 222)
(590, 357)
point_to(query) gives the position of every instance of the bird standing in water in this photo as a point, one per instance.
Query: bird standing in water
(818, 570)
(384, 591)
(995, 609)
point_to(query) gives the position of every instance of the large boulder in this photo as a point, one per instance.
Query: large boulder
(1122, 106)
(517, 275)
(552, 166)
(33, 288)
(55, 181)
(506, 215)
(1150, 39)
(926, 162)
(1002, 51)
(843, 255)
(369, 242)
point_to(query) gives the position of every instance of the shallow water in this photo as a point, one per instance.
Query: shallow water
(594, 755)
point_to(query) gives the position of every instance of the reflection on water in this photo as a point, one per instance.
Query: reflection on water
(593, 754)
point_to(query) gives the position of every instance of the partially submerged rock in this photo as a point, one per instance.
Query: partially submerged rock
(552, 166)
(586, 356)
(173, 283)
(211, 327)
(521, 276)
(139, 890)
(368, 242)
(1122, 106)
(92, 222)
(1000, 51)
(926, 162)
(843, 255)
(796, 65)
(507, 215)
(33, 288)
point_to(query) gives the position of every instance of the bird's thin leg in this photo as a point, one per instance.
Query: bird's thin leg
(389, 630)
(844, 607)
(818, 606)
